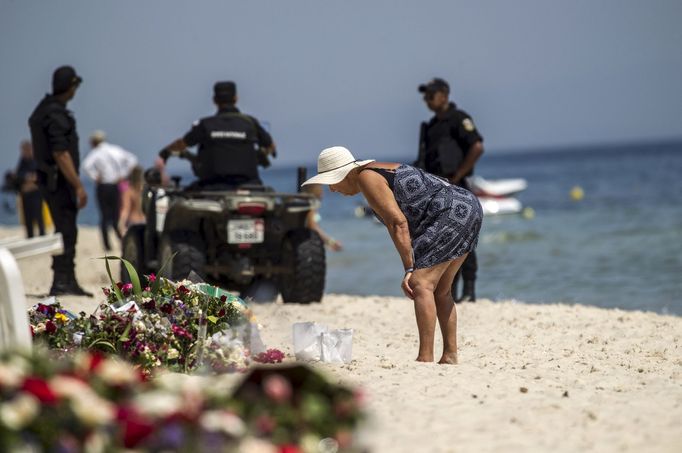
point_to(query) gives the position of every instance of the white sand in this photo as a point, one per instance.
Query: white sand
(531, 377)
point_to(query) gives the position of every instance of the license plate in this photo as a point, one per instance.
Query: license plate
(248, 231)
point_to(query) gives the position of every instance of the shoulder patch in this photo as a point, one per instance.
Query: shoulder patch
(468, 125)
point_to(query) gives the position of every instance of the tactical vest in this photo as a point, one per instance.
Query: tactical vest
(228, 147)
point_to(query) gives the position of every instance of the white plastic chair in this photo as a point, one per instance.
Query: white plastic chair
(14, 327)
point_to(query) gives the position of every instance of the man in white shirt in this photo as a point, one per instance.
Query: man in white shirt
(108, 165)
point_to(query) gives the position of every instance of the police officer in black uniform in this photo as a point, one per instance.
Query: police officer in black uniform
(55, 146)
(231, 144)
(449, 146)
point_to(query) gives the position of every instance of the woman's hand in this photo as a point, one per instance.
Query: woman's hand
(406, 285)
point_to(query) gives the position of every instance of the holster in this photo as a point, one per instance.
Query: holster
(51, 175)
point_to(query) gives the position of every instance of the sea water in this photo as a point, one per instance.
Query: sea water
(618, 246)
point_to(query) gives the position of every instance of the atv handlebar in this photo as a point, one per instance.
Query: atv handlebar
(165, 153)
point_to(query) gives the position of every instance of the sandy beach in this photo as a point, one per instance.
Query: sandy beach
(560, 378)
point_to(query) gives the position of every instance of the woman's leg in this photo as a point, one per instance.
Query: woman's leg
(423, 283)
(446, 311)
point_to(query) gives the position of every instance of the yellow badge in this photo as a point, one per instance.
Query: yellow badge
(468, 124)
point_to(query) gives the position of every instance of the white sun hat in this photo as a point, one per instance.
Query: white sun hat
(334, 164)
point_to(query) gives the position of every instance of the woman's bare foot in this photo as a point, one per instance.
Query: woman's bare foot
(424, 359)
(448, 359)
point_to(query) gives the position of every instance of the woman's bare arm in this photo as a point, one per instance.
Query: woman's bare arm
(381, 199)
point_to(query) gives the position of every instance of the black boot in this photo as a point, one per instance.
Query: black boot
(59, 283)
(469, 293)
(65, 284)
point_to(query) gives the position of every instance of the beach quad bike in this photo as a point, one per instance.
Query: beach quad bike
(242, 238)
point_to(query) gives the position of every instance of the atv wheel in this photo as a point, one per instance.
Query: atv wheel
(303, 252)
(189, 256)
(133, 251)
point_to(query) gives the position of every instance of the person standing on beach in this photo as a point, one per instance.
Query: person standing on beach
(107, 165)
(434, 225)
(313, 218)
(131, 201)
(449, 146)
(55, 143)
(31, 201)
(231, 144)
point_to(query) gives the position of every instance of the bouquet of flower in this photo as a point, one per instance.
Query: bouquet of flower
(92, 403)
(178, 325)
(88, 402)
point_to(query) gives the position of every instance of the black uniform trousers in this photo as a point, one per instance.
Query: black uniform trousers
(63, 208)
(109, 201)
(32, 207)
(470, 264)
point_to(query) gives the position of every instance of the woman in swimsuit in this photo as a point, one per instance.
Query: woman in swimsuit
(433, 224)
(131, 201)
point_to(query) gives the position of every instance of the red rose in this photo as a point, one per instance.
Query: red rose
(95, 359)
(135, 427)
(39, 388)
(288, 448)
(50, 327)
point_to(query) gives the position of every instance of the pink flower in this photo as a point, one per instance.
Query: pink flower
(128, 287)
(288, 448)
(151, 277)
(277, 388)
(180, 332)
(265, 424)
(270, 356)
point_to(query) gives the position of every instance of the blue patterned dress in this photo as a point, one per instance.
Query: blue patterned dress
(444, 220)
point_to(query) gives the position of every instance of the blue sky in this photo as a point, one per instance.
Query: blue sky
(533, 74)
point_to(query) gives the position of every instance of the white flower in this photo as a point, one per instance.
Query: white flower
(40, 328)
(173, 353)
(116, 372)
(140, 326)
(158, 404)
(224, 421)
(68, 387)
(252, 445)
(86, 404)
(92, 410)
(10, 376)
(20, 411)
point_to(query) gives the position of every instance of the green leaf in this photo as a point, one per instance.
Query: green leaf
(132, 272)
(102, 342)
(157, 282)
(134, 277)
(124, 335)
(117, 291)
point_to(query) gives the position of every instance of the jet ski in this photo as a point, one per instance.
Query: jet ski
(495, 195)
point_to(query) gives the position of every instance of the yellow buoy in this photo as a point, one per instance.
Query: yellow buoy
(577, 193)
(528, 213)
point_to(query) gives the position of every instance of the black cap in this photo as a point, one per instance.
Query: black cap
(434, 85)
(63, 78)
(224, 91)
